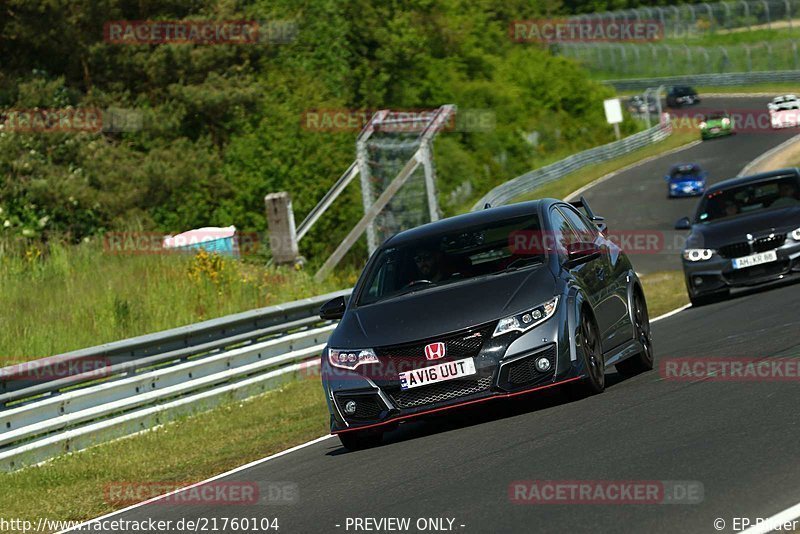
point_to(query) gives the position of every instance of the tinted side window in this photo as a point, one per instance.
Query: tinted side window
(586, 230)
(563, 234)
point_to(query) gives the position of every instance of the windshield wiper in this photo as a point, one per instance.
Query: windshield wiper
(520, 263)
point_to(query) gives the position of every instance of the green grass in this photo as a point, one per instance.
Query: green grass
(60, 298)
(563, 187)
(72, 487)
(664, 291)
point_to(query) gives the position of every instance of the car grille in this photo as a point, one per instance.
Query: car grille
(464, 344)
(763, 244)
(523, 371)
(440, 392)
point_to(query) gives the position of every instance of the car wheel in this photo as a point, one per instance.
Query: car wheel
(641, 321)
(593, 361)
(357, 440)
(708, 298)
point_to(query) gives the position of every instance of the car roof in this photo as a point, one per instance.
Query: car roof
(474, 218)
(686, 166)
(755, 178)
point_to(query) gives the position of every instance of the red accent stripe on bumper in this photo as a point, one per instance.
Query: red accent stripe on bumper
(458, 405)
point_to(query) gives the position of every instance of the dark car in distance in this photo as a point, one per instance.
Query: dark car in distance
(681, 95)
(746, 231)
(491, 304)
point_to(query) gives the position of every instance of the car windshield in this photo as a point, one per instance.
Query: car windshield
(682, 173)
(453, 257)
(779, 192)
(684, 91)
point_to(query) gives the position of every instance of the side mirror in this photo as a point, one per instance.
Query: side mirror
(333, 309)
(581, 252)
(683, 224)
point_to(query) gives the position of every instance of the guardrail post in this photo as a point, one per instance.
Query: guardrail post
(282, 234)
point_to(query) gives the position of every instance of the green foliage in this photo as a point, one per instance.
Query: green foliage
(222, 124)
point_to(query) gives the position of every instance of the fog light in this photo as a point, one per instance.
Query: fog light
(698, 281)
(542, 364)
(350, 407)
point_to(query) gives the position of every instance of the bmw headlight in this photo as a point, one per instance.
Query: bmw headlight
(522, 322)
(697, 254)
(795, 234)
(351, 358)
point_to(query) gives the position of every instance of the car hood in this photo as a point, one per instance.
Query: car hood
(759, 224)
(685, 179)
(437, 311)
(714, 123)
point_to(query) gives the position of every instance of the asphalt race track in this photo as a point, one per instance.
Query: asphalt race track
(738, 440)
(635, 201)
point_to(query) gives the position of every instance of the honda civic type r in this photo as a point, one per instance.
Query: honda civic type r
(486, 305)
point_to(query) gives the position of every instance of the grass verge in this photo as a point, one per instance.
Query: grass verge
(59, 298)
(75, 487)
(664, 291)
(572, 182)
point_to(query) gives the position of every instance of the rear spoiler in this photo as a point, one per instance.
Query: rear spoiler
(597, 220)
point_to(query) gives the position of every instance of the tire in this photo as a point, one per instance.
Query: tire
(708, 298)
(358, 440)
(643, 361)
(593, 361)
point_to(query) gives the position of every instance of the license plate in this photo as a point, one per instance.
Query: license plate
(437, 373)
(755, 259)
(714, 130)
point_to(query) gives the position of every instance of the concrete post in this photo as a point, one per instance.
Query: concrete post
(282, 233)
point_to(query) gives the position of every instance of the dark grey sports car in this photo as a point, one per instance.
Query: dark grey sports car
(746, 231)
(481, 306)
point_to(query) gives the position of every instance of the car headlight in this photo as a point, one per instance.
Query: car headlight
(703, 125)
(351, 358)
(673, 186)
(524, 321)
(726, 122)
(795, 234)
(697, 254)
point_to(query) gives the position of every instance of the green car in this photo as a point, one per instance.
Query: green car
(716, 124)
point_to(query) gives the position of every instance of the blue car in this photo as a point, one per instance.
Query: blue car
(686, 180)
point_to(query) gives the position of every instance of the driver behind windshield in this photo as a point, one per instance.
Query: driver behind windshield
(429, 264)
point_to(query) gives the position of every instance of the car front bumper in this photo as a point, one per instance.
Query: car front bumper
(721, 132)
(504, 368)
(718, 274)
(686, 190)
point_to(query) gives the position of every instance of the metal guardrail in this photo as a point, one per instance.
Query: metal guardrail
(506, 192)
(154, 378)
(18, 382)
(713, 79)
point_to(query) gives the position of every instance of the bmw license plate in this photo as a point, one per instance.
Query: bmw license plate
(437, 373)
(755, 259)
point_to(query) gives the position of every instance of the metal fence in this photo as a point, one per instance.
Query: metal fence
(619, 60)
(727, 80)
(508, 191)
(685, 20)
(152, 379)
